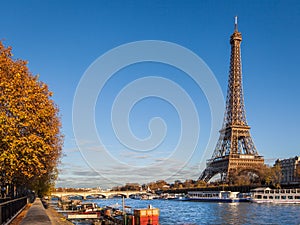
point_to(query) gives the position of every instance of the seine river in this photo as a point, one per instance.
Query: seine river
(188, 213)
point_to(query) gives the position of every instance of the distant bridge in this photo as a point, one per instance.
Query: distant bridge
(104, 194)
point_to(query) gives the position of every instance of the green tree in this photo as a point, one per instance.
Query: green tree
(30, 138)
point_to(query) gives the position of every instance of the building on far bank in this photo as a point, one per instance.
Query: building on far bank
(290, 169)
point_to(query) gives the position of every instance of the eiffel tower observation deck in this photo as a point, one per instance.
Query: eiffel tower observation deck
(235, 151)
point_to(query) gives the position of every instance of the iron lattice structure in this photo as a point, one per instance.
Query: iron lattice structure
(235, 150)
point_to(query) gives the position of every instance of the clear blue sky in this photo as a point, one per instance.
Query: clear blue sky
(61, 39)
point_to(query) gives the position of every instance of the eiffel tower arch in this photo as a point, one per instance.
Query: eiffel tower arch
(235, 150)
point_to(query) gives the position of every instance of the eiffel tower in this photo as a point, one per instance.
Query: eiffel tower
(235, 150)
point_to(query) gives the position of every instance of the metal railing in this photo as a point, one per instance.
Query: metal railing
(9, 209)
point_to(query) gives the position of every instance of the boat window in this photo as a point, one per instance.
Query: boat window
(282, 191)
(297, 197)
(272, 191)
(258, 196)
(293, 191)
(265, 197)
(290, 197)
(267, 191)
(277, 191)
(298, 190)
(277, 197)
(270, 197)
(288, 191)
(283, 197)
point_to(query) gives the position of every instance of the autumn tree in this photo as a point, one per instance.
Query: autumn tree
(201, 183)
(30, 138)
(298, 172)
(178, 184)
(277, 175)
(271, 175)
(247, 176)
(188, 183)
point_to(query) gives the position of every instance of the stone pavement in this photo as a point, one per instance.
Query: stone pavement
(36, 214)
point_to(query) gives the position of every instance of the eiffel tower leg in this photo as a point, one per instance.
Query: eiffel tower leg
(223, 177)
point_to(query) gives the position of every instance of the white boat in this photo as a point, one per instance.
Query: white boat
(135, 196)
(213, 196)
(87, 207)
(282, 196)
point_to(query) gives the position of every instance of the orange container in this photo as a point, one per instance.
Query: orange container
(155, 212)
(146, 216)
(146, 212)
(140, 212)
(146, 220)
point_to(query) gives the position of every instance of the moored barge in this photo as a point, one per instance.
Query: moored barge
(281, 196)
(214, 196)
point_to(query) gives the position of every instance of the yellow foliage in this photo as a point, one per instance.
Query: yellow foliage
(30, 138)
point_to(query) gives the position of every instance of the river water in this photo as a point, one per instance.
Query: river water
(174, 212)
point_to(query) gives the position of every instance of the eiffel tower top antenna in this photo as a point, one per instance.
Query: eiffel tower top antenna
(235, 23)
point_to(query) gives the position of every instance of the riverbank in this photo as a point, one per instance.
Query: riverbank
(33, 215)
(57, 218)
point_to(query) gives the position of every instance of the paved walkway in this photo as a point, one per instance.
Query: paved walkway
(36, 215)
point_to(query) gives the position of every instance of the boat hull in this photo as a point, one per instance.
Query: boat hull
(212, 200)
(274, 201)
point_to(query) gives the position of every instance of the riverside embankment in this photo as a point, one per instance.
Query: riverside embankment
(37, 214)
